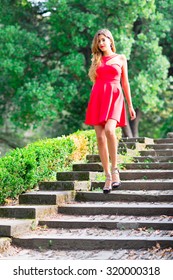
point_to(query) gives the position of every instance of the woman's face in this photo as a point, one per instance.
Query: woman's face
(104, 43)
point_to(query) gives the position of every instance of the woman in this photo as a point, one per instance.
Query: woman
(106, 107)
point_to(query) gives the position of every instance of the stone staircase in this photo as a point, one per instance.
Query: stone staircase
(72, 213)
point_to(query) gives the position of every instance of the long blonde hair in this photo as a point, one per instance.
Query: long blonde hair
(97, 53)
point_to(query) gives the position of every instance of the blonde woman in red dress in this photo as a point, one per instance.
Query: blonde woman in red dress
(106, 108)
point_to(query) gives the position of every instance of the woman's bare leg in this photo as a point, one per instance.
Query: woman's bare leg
(112, 146)
(103, 149)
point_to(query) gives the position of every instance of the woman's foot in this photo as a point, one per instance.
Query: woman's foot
(107, 187)
(115, 178)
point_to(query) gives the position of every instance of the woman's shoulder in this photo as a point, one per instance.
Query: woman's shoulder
(122, 57)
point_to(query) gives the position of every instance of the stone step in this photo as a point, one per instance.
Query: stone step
(88, 167)
(93, 158)
(127, 196)
(135, 209)
(157, 153)
(26, 211)
(145, 174)
(139, 185)
(94, 240)
(163, 141)
(112, 222)
(13, 227)
(167, 146)
(76, 176)
(142, 158)
(153, 159)
(170, 134)
(125, 175)
(46, 197)
(5, 243)
(145, 140)
(131, 145)
(143, 165)
(149, 165)
(63, 185)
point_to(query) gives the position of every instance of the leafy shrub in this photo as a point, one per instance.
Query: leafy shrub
(22, 169)
(85, 142)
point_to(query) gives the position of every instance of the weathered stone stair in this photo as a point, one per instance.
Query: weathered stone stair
(73, 213)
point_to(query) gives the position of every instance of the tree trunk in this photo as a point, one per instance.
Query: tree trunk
(134, 125)
(127, 130)
(131, 130)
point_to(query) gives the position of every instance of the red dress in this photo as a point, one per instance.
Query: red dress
(106, 99)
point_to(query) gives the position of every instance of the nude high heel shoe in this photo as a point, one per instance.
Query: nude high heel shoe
(107, 189)
(115, 184)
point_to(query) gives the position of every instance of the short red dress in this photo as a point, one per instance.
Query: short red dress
(106, 98)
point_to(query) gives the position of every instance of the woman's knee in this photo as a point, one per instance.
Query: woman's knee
(110, 132)
(101, 138)
(110, 128)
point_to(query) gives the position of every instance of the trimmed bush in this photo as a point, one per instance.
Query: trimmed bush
(22, 169)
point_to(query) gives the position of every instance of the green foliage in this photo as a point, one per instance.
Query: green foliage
(31, 109)
(85, 142)
(149, 68)
(18, 66)
(158, 125)
(44, 61)
(165, 27)
(22, 169)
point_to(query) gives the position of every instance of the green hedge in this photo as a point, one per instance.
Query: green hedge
(22, 169)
